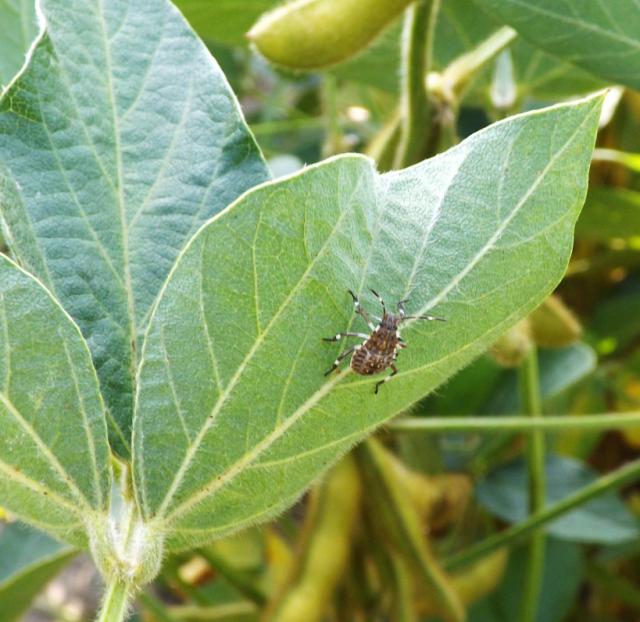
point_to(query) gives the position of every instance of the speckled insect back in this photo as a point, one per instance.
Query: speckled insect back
(379, 350)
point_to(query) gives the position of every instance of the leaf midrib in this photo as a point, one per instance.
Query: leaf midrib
(193, 447)
(20, 478)
(266, 512)
(501, 229)
(220, 481)
(46, 452)
(609, 34)
(120, 196)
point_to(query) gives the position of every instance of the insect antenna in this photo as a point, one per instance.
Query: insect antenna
(429, 318)
(379, 297)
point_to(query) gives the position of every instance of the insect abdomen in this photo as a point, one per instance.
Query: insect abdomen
(367, 362)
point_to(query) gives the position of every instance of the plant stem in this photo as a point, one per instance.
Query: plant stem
(400, 519)
(332, 518)
(115, 602)
(238, 579)
(630, 160)
(333, 143)
(459, 72)
(517, 533)
(404, 600)
(416, 60)
(532, 405)
(496, 423)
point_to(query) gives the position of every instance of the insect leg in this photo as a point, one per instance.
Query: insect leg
(340, 358)
(361, 311)
(379, 297)
(429, 318)
(391, 375)
(345, 334)
(400, 306)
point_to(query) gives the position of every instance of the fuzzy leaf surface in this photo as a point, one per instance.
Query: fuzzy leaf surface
(18, 28)
(29, 560)
(234, 417)
(224, 20)
(54, 463)
(605, 520)
(599, 36)
(119, 140)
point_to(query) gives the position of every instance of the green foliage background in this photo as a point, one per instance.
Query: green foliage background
(180, 234)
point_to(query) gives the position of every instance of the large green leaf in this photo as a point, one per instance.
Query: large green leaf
(610, 212)
(459, 29)
(233, 414)
(54, 465)
(120, 139)
(18, 29)
(601, 37)
(224, 20)
(604, 520)
(559, 369)
(487, 388)
(562, 576)
(28, 560)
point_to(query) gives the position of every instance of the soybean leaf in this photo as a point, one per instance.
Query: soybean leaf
(560, 368)
(467, 392)
(604, 520)
(609, 212)
(487, 388)
(601, 37)
(562, 577)
(18, 29)
(615, 321)
(459, 29)
(28, 560)
(234, 417)
(224, 20)
(54, 461)
(535, 73)
(119, 140)
(546, 77)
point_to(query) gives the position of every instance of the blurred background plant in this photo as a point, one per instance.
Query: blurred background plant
(449, 511)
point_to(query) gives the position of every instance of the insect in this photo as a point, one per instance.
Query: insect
(379, 349)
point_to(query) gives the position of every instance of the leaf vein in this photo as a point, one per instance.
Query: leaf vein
(46, 452)
(190, 454)
(85, 424)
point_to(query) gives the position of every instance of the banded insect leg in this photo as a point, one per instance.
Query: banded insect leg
(360, 311)
(345, 334)
(340, 358)
(391, 375)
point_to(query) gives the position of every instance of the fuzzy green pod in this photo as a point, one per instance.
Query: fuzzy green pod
(311, 34)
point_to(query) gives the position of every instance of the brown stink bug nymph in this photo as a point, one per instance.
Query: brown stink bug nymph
(379, 349)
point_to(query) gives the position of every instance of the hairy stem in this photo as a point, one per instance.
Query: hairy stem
(115, 602)
(630, 160)
(416, 60)
(399, 518)
(327, 541)
(556, 423)
(404, 609)
(459, 73)
(532, 406)
(517, 533)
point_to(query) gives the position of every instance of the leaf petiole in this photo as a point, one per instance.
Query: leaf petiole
(115, 602)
